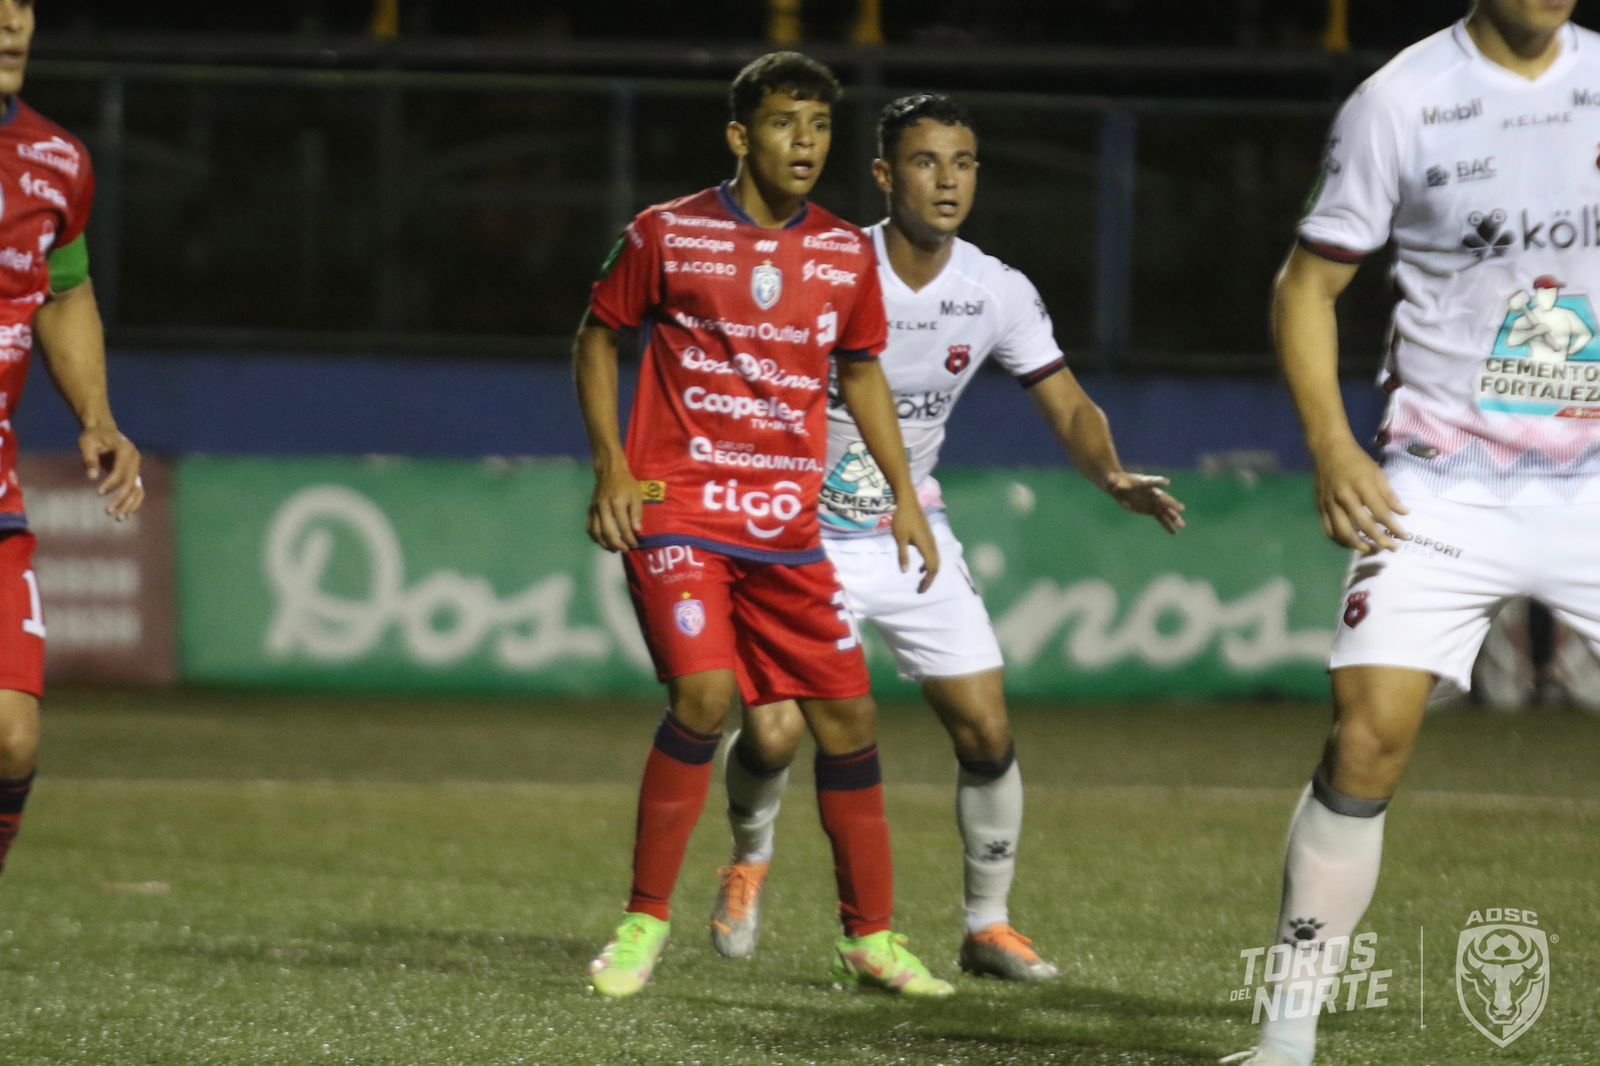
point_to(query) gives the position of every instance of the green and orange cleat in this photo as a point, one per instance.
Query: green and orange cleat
(881, 960)
(626, 963)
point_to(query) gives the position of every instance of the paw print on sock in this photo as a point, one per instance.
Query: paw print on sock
(1302, 930)
(996, 850)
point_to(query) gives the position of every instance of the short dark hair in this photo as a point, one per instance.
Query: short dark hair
(797, 75)
(900, 115)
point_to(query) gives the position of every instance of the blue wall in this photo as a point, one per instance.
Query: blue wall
(180, 403)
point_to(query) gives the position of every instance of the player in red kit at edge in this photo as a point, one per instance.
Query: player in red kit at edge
(45, 189)
(742, 295)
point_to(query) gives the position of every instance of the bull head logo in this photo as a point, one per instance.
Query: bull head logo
(1502, 978)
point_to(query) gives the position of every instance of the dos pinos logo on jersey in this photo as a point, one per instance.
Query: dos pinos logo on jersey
(1502, 972)
(766, 285)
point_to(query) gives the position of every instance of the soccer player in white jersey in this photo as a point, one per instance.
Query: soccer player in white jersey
(1474, 153)
(950, 307)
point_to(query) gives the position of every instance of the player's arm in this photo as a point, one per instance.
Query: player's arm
(1357, 506)
(616, 510)
(866, 393)
(1081, 427)
(73, 343)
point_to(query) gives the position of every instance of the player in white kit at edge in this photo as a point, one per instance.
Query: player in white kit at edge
(949, 307)
(1475, 153)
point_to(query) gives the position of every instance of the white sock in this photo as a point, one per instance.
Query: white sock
(754, 799)
(989, 814)
(1330, 874)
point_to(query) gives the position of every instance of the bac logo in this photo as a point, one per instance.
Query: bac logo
(1355, 609)
(958, 359)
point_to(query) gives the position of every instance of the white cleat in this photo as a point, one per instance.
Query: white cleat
(736, 916)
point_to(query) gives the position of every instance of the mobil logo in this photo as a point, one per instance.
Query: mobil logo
(767, 511)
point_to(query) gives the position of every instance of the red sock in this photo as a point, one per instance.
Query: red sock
(677, 778)
(13, 797)
(850, 798)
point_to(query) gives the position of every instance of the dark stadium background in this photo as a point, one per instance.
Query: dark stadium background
(433, 181)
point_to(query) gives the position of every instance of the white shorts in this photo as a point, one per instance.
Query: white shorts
(1429, 605)
(944, 632)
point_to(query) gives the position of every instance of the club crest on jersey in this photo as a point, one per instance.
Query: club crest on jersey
(1355, 609)
(690, 617)
(766, 285)
(958, 359)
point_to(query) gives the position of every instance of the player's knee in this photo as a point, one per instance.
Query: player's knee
(19, 742)
(842, 726)
(1367, 758)
(770, 736)
(703, 712)
(983, 741)
(988, 769)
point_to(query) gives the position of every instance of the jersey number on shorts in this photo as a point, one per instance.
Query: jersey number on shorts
(34, 623)
(853, 636)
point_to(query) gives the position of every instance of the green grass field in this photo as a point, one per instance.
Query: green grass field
(223, 878)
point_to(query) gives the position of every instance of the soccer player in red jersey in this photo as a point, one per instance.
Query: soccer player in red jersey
(742, 295)
(46, 186)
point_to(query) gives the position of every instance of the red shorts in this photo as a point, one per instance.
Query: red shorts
(21, 618)
(783, 629)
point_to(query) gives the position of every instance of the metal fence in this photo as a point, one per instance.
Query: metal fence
(402, 211)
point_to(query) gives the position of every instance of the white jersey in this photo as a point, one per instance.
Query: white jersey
(1488, 185)
(938, 337)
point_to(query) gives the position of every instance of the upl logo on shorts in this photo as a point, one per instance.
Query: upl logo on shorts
(1502, 972)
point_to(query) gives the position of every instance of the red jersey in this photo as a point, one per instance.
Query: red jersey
(729, 429)
(46, 185)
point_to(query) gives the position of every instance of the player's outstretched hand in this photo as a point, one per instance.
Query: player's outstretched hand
(1147, 494)
(1357, 506)
(616, 512)
(911, 530)
(107, 452)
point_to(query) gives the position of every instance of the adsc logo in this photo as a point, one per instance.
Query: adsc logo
(1502, 972)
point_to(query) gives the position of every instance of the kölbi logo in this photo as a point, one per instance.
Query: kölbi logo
(1502, 972)
(1492, 234)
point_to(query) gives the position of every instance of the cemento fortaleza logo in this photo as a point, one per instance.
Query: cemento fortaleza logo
(1502, 972)
(1545, 359)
